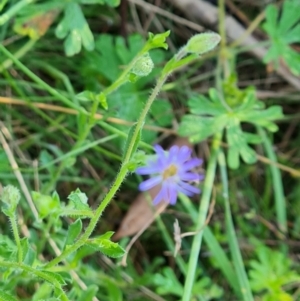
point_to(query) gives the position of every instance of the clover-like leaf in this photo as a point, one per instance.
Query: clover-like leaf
(167, 283)
(238, 145)
(284, 29)
(198, 128)
(75, 29)
(271, 274)
(213, 115)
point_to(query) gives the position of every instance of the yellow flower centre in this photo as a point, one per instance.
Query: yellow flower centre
(170, 172)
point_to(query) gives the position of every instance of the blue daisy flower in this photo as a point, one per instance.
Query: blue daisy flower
(172, 171)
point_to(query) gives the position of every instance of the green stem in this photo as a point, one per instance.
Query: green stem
(85, 236)
(120, 133)
(222, 31)
(124, 168)
(76, 149)
(21, 52)
(91, 122)
(123, 77)
(202, 213)
(14, 10)
(79, 150)
(222, 28)
(280, 205)
(57, 74)
(76, 212)
(118, 181)
(238, 263)
(37, 273)
(42, 84)
(215, 247)
(143, 115)
(15, 230)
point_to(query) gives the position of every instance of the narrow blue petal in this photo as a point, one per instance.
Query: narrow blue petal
(190, 176)
(189, 187)
(147, 170)
(172, 194)
(184, 191)
(174, 150)
(173, 153)
(161, 196)
(148, 184)
(184, 154)
(159, 150)
(192, 164)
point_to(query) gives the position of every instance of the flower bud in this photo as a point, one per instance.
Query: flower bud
(202, 43)
(10, 196)
(143, 66)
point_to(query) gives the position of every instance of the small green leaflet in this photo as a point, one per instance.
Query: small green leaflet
(284, 30)
(157, 40)
(89, 96)
(73, 232)
(104, 245)
(75, 29)
(45, 204)
(79, 199)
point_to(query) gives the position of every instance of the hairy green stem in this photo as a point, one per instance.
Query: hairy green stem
(38, 273)
(89, 230)
(92, 121)
(118, 181)
(123, 76)
(202, 214)
(143, 115)
(14, 226)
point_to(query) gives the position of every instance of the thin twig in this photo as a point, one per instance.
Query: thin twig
(50, 107)
(16, 171)
(167, 14)
(210, 213)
